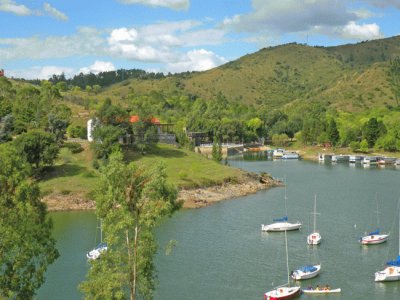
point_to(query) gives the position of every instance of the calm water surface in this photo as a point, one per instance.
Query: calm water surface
(221, 252)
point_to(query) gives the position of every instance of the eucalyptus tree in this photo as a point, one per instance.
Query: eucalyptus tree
(26, 244)
(131, 201)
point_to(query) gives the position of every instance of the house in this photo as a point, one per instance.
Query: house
(165, 131)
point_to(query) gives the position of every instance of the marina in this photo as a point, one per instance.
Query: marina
(221, 253)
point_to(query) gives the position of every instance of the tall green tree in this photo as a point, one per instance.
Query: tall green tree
(38, 147)
(131, 201)
(26, 245)
(372, 130)
(333, 132)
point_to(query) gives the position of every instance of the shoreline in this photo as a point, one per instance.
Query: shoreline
(189, 198)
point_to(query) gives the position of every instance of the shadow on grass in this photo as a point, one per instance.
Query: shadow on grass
(132, 154)
(66, 170)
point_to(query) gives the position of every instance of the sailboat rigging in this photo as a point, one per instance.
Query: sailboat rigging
(284, 291)
(99, 249)
(315, 237)
(392, 271)
(374, 237)
(281, 224)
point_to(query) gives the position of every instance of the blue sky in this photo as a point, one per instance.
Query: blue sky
(41, 38)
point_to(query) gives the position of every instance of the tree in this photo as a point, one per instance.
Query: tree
(217, 149)
(6, 126)
(145, 134)
(333, 132)
(38, 147)
(373, 130)
(364, 146)
(131, 201)
(26, 247)
(106, 140)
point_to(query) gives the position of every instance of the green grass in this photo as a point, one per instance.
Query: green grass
(71, 173)
(187, 169)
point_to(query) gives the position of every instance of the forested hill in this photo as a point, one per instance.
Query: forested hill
(350, 77)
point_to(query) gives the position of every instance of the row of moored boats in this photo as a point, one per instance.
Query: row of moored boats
(390, 273)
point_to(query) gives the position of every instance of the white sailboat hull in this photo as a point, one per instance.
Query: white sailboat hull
(300, 275)
(374, 239)
(389, 274)
(281, 226)
(283, 293)
(314, 238)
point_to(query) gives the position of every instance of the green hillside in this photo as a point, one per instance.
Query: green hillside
(349, 77)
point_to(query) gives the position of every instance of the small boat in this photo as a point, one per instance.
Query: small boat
(321, 291)
(281, 224)
(374, 237)
(392, 271)
(99, 249)
(96, 252)
(370, 160)
(314, 238)
(278, 153)
(306, 272)
(285, 291)
(290, 155)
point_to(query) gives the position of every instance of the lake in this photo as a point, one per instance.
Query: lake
(221, 253)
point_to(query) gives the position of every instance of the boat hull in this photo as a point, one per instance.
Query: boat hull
(283, 293)
(300, 275)
(374, 239)
(314, 238)
(389, 274)
(322, 291)
(281, 226)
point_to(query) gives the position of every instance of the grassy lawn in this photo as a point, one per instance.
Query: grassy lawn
(186, 168)
(71, 173)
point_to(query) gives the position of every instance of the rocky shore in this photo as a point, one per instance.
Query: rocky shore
(190, 198)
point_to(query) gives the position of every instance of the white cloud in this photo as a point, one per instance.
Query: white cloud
(196, 60)
(173, 4)
(43, 72)
(159, 42)
(12, 7)
(97, 67)
(290, 16)
(86, 41)
(364, 31)
(54, 12)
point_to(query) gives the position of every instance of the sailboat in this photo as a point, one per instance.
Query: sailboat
(392, 271)
(281, 224)
(314, 238)
(284, 291)
(99, 249)
(374, 237)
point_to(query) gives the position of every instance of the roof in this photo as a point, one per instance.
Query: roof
(136, 118)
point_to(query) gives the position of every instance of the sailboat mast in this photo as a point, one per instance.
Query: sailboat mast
(285, 199)
(315, 212)
(101, 232)
(287, 260)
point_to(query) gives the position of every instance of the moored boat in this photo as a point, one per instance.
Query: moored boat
(392, 271)
(306, 272)
(321, 291)
(281, 224)
(290, 155)
(373, 238)
(284, 291)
